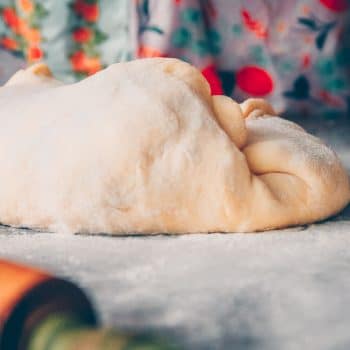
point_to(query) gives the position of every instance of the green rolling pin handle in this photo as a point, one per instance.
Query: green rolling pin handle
(67, 332)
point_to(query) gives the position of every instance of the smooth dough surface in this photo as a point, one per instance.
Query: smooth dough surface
(142, 147)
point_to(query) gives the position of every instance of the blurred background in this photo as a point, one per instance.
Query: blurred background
(294, 53)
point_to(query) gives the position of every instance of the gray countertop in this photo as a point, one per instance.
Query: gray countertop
(286, 289)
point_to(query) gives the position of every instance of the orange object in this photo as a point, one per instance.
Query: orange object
(147, 51)
(82, 63)
(15, 281)
(31, 35)
(29, 295)
(254, 25)
(26, 6)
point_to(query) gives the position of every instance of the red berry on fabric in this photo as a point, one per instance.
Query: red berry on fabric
(254, 25)
(8, 43)
(91, 12)
(213, 79)
(10, 17)
(336, 5)
(254, 81)
(82, 35)
(34, 54)
(78, 61)
(145, 51)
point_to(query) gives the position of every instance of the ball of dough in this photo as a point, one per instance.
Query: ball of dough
(142, 147)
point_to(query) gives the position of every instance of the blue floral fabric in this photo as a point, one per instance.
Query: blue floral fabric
(294, 53)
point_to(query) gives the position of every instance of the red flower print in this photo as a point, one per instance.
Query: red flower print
(78, 60)
(34, 53)
(15, 23)
(26, 6)
(8, 43)
(90, 12)
(93, 65)
(336, 5)
(147, 51)
(331, 100)
(254, 80)
(20, 26)
(32, 35)
(213, 79)
(254, 25)
(83, 64)
(10, 18)
(82, 35)
(306, 61)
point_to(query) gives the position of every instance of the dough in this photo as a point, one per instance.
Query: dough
(142, 147)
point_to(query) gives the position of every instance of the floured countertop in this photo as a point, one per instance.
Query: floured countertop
(278, 290)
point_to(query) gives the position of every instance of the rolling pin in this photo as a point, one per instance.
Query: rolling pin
(41, 312)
